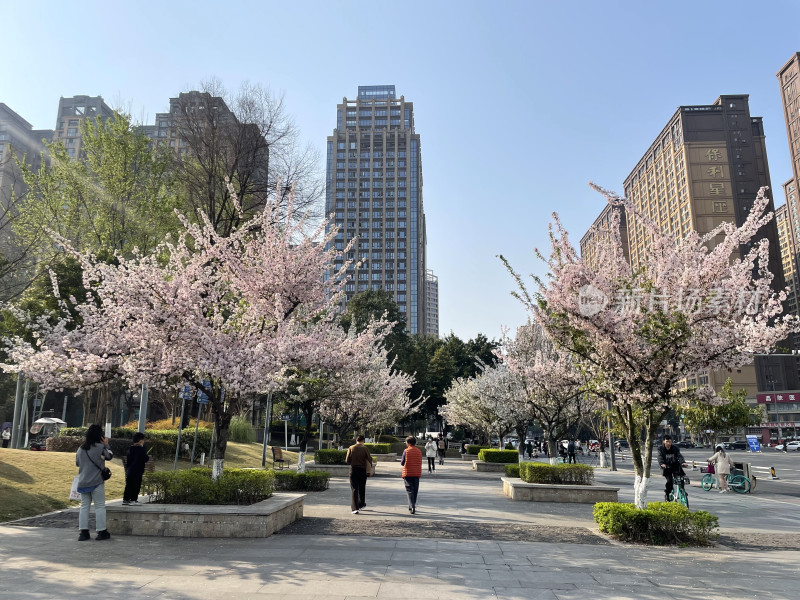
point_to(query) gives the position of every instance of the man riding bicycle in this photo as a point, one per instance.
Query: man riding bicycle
(672, 463)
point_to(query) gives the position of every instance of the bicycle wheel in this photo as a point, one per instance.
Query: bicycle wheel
(739, 484)
(707, 482)
(683, 497)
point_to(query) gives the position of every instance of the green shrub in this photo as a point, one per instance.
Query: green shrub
(310, 481)
(330, 457)
(241, 431)
(378, 448)
(536, 472)
(194, 486)
(509, 446)
(512, 470)
(660, 523)
(475, 449)
(64, 443)
(162, 451)
(498, 456)
(387, 439)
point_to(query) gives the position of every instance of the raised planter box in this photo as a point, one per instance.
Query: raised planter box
(489, 467)
(334, 470)
(469, 457)
(207, 521)
(516, 489)
(391, 457)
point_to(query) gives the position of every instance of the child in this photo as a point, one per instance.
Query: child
(134, 469)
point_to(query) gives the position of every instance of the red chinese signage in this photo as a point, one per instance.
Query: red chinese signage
(778, 397)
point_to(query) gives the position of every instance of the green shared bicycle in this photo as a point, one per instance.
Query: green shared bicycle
(738, 483)
(678, 493)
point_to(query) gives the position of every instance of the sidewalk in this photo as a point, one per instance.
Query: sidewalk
(414, 560)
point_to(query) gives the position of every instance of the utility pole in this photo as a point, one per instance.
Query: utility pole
(143, 409)
(266, 430)
(17, 411)
(611, 437)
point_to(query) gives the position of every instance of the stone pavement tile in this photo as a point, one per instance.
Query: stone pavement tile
(420, 558)
(504, 593)
(456, 572)
(615, 593)
(621, 579)
(506, 558)
(437, 591)
(324, 587)
(352, 556)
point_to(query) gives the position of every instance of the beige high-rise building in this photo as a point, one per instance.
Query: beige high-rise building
(71, 112)
(374, 191)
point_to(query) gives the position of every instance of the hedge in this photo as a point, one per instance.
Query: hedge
(378, 448)
(536, 472)
(152, 435)
(310, 481)
(388, 439)
(512, 470)
(498, 456)
(158, 449)
(330, 457)
(475, 449)
(195, 486)
(658, 524)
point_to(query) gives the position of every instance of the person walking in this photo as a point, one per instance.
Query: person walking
(431, 449)
(134, 469)
(359, 459)
(529, 449)
(411, 461)
(441, 446)
(722, 467)
(91, 483)
(6, 436)
(571, 452)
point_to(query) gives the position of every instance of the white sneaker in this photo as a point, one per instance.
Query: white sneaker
(722, 491)
(355, 512)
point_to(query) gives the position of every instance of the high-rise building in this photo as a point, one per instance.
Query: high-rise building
(374, 191)
(18, 140)
(71, 111)
(610, 216)
(704, 168)
(788, 248)
(431, 303)
(789, 79)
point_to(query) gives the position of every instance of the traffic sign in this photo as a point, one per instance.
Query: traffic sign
(286, 417)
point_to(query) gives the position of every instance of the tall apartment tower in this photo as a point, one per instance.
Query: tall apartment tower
(431, 303)
(71, 111)
(18, 140)
(789, 79)
(374, 191)
(610, 216)
(705, 168)
(788, 247)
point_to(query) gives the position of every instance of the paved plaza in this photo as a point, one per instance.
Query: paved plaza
(466, 541)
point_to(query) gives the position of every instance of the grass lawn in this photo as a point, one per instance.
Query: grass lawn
(32, 483)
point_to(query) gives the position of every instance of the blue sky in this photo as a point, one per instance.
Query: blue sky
(518, 104)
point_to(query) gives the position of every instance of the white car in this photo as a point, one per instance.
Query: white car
(790, 447)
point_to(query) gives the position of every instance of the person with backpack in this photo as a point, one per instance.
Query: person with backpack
(571, 451)
(442, 447)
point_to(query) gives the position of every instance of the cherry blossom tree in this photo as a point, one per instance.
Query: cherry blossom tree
(233, 316)
(551, 381)
(703, 302)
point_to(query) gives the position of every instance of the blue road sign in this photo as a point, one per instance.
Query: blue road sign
(752, 441)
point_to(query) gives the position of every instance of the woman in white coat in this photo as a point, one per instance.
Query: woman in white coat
(430, 454)
(722, 467)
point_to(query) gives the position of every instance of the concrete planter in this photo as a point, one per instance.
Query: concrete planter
(516, 489)
(489, 467)
(334, 470)
(206, 521)
(391, 457)
(469, 457)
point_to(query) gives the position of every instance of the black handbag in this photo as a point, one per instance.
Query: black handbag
(105, 472)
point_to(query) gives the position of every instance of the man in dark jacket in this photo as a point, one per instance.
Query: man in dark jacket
(134, 469)
(671, 461)
(360, 461)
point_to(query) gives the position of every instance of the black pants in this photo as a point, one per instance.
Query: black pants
(358, 487)
(412, 488)
(668, 486)
(5, 443)
(133, 483)
(431, 463)
(572, 459)
(441, 457)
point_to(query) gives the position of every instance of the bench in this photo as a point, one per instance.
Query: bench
(278, 461)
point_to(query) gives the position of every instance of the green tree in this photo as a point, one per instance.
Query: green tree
(115, 197)
(720, 418)
(371, 305)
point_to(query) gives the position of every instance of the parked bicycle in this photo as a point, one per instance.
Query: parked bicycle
(738, 483)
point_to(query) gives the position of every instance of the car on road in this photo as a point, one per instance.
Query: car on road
(737, 445)
(790, 447)
(685, 444)
(622, 445)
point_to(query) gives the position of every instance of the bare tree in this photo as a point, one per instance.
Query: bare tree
(246, 138)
